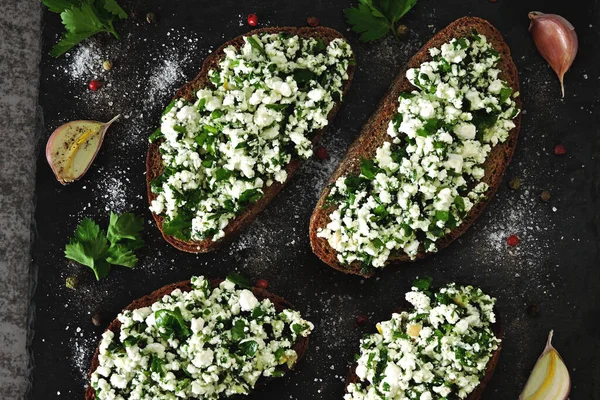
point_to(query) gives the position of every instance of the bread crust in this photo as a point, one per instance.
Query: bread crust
(477, 393)
(280, 304)
(154, 165)
(374, 134)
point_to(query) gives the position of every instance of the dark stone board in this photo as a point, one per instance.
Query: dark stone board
(555, 266)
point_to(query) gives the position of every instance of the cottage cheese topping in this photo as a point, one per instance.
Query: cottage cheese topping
(206, 343)
(427, 177)
(439, 350)
(265, 102)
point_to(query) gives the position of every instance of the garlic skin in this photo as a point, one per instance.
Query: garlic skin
(72, 148)
(549, 379)
(556, 40)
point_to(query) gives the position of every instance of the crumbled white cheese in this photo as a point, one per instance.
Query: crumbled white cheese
(208, 342)
(247, 300)
(443, 360)
(237, 137)
(424, 180)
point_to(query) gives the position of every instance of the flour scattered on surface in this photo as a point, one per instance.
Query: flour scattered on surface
(82, 348)
(390, 55)
(113, 194)
(521, 217)
(85, 61)
(138, 92)
(315, 173)
(162, 79)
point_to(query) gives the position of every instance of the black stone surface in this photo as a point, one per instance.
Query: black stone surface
(555, 267)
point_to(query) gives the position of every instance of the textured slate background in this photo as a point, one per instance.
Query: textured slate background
(555, 267)
(20, 30)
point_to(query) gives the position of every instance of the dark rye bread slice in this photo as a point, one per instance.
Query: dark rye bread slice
(374, 134)
(154, 165)
(489, 370)
(280, 304)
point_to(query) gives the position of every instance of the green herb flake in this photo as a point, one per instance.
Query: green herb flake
(368, 169)
(239, 280)
(171, 324)
(156, 136)
(256, 45)
(422, 284)
(249, 348)
(237, 332)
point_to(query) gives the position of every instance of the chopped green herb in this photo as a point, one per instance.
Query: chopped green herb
(171, 324)
(239, 280)
(423, 284)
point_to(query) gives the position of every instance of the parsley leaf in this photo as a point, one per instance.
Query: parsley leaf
(89, 247)
(126, 229)
(57, 6)
(83, 19)
(119, 254)
(68, 40)
(374, 19)
(363, 21)
(114, 8)
(92, 247)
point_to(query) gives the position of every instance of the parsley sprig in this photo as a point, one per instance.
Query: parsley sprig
(94, 248)
(374, 19)
(82, 19)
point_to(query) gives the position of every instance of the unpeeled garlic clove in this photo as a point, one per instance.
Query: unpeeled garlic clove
(72, 148)
(556, 40)
(549, 379)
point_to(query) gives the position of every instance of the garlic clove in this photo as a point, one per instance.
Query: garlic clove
(556, 40)
(72, 148)
(549, 379)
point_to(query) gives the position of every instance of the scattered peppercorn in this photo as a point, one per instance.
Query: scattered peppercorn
(545, 196)
(514, 183)
(361, 320)
(71, 282)
(533, 310)
(321, 153)
(97, 319)
(94, 85)
(312, 21)
(107, 65)
(151, 18)
(560, 150)
(262, 283)
(402, 31)
(512, 240)
(252, 20)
